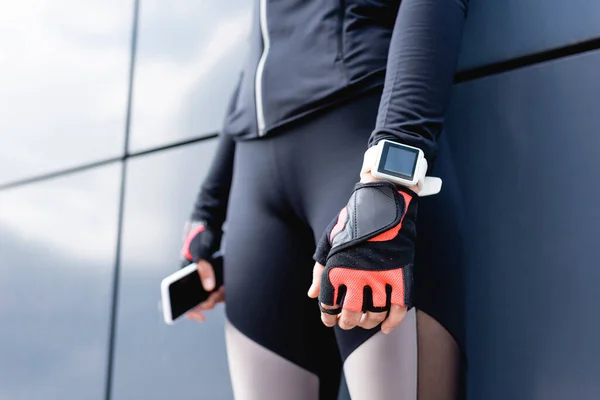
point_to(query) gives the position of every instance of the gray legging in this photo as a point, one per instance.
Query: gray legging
(286, 189)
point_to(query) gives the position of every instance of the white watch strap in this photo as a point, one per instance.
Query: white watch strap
(429, 185)
(369, 160)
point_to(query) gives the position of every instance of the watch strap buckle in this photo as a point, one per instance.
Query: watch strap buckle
(429, 185)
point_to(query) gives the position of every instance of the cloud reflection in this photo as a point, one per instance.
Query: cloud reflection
(188, 61)
(57, 250)
(63, 74)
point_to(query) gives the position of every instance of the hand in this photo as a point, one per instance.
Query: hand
(207, 277)
(350, 319)
(200, 243)
(372, 251)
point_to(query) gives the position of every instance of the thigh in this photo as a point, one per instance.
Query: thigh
(418, 360)
(276, 342)
(383, 367)
(440, 369)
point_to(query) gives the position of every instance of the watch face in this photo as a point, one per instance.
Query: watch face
(398, 160)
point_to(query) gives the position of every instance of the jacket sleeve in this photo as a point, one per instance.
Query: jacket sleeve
(421, 64)
(213, 197)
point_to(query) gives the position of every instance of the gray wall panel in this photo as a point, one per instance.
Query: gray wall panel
(188, 61)
(154, 360)
(63, 83)
(499, 30)
(528, 146)
(57, 254)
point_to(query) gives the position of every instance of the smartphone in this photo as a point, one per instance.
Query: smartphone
(182, 290)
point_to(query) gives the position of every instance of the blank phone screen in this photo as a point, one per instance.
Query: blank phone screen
(185, 294)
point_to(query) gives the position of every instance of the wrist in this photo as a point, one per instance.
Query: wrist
(366, 177)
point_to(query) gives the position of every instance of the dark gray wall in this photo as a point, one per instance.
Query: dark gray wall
(79, 203)
(526, 149)
(500, 30)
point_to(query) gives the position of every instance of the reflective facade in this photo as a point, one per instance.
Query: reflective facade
(188, 60)
(63, 73)
(57, 255)
(89, 225)
(188, 357)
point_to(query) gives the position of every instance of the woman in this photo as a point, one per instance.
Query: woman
(323, 82)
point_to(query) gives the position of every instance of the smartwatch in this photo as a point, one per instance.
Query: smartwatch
(401, 164)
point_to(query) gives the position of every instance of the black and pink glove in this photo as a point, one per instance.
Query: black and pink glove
(200, 243)
(368, 250)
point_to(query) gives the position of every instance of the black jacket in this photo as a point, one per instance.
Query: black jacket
(308, 54)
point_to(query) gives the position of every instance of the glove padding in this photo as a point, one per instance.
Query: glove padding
(368, 250)
(200, 242)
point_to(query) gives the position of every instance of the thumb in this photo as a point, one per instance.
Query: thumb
(207, 275)
(315, 287)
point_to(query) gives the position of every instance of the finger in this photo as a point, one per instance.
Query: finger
(328, 319)
(219, 295)
(349, 319)
(208, 304)
(207, 275)
(315, 287)
(213, 298)
(211, 302)
(216, 297)
(395, 317)
(205, 305)
(196, 315)
(371, 319)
